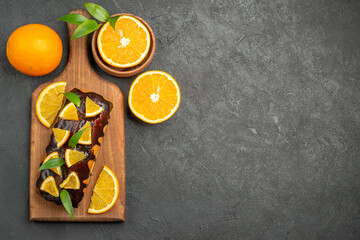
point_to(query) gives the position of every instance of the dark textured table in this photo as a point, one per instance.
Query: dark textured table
(265, 144)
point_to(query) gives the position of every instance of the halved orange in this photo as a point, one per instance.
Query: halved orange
(125, 47)
(72, 157)
(49, 186)
(85, 138)
(49, 103)
(154, 96)
(91, 108)
(71, 182)
(105, 193)
(61, 136)
(69, 112)
(52, 155)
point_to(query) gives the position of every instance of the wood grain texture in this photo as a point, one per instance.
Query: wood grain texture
(78, 73)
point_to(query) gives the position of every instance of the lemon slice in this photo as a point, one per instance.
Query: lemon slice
(72, 157)
(52, 155)
(49, 186)
(85, 138)
(105, 193)
(61, 136)
(92, 109)
(71, 182)
(49, 103)
(69, 112)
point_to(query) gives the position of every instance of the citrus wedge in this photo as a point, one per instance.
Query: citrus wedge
(49, 186)
(105, 193)
(71, 182)
(49, 103)
(61, 136)
(154, 96)
(85, 138)
(52, 155)
(69, 112)
(72, 157)
(125, 47)
(92, 109)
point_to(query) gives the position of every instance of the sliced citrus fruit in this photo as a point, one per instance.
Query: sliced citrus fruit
(72, 157)
(52, 155)
(61, 136)
(71, 182)
(105, 193)
(49, 103)
(125, 47)
(154, 96)
(85, 138)
(49, 186)
(69, 112)
(92, 109)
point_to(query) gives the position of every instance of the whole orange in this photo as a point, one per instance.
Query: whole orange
(34, 49)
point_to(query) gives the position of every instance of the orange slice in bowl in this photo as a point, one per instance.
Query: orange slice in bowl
(49, 103)
(49, 186)
(92, 109)
(105, 193)
(69, 112)
(125, 47)
(154, 96)
(71, 182)
(72, 157)
(61, 136)
(52, 155)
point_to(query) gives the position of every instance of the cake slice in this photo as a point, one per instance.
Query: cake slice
(93, 115)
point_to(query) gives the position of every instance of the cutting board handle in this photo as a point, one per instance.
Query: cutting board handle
(78, 49)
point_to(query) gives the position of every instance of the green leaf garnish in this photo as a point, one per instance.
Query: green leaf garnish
(66, 201)
(72, 98)
(54, 162)
(112, 21)
(97, 12)
(85, 28)
(75, 138)
(73, 18)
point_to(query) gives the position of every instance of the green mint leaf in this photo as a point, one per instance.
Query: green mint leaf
(73, 18)
(72, 98)
(112, 21)
(75, 138)
(66, 201)
(85, 28)
(54, 162)
(97, 12)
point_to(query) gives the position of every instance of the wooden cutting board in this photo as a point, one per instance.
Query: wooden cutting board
(78, 73)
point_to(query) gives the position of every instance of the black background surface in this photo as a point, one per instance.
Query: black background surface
(265, 144)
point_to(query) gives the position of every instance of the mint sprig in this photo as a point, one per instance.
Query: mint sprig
(66, 201)
(54, 162)
(75, 138)
(72, 97)
(85, 25)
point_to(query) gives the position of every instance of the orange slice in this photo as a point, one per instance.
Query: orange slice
(92, 109)
(105, 193)
(72, 157)
(69, 112)
(127, 46)
(71, 182)
(154, 96)
(49, 103)
(49, 186)
(61, 136)
(52, 155)
(85, 138)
